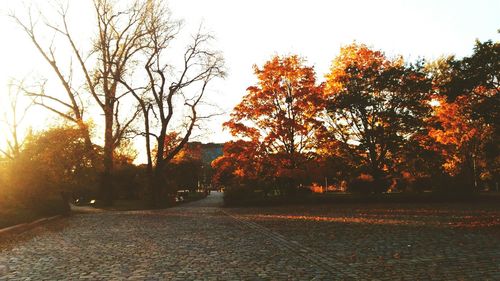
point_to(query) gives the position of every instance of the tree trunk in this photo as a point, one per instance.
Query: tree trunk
(149, 166)
(106, 180)
(157, 186)
(89, 146)
(158, 179)
(379, 180)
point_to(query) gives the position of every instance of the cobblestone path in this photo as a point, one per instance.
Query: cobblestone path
(202, 241)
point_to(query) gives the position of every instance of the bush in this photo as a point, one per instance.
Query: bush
(16, 212)
(366, 184)
(421, 184)
(264, 195)
(453, 185)
(127, 182)
(360, 185)
(50, 207)
(242, 193)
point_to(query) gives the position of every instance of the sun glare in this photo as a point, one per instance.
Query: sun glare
(434, 103)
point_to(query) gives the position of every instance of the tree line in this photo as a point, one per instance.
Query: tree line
(374, 124)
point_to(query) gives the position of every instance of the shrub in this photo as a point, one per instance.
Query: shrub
(240, 193)
(127, 182)
(366, 184)
(362, 184)
(453, 185)
(316, 188)
(421, 184)
(47, 207)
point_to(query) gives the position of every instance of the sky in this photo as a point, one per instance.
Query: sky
(251, 32)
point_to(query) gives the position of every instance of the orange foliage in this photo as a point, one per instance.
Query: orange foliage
(281, 110)
(190, 152)
(365, 177)
(277, 122)
(240, 161)
(172, 139)
(459, 135)
(316, 188)
(359, 55)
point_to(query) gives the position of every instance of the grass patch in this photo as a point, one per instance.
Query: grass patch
(11, 216)
(16, 214)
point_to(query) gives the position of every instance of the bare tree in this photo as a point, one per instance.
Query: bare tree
(13, 116)
(169, 92)
(121, 35)
(70, 108)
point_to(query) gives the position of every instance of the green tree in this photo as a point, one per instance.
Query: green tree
(476, 76)
(374, 105)
(468, 128)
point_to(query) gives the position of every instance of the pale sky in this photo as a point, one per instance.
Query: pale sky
(251, 32)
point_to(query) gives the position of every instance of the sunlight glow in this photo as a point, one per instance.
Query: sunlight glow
(434, 103)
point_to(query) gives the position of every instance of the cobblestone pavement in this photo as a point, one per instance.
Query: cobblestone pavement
(202, 241)
(393, 241)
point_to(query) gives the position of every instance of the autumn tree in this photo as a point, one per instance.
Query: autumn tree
(374, 105)
(461, 138)
(280, 115)
(242, 163)
(50, 162)
(185, 170)
(465, 122)
(478, 77)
